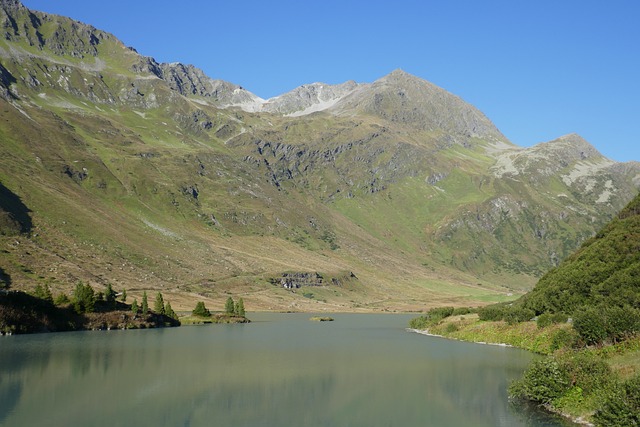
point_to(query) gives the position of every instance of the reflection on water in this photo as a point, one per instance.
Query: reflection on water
(282, 370)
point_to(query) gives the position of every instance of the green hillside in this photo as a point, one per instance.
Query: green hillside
(604, 271)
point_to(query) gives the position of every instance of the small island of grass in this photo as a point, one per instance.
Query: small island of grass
(321, 319)
(234, 313)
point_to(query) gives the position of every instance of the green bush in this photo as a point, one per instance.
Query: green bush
(621, 406)
(602, 323)
(492, 313)
(559, 318)
(564, 338)
(544, 320)
(461, 311)
(517, 314)
(421, 322)
(590, 324)
(544, 381)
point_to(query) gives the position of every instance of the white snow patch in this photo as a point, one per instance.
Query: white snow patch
(141, 114)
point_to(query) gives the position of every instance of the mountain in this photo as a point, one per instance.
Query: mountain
(603, 271)
(386, 195)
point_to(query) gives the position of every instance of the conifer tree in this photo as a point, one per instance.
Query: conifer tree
(168, 311)
(158, 307)
(230, 306)
(201, 310)
(145, 304)
(134, 307)
(240, 308)
(110, 296)
(123, 297)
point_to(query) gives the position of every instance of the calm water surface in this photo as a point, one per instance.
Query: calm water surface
(281, 370)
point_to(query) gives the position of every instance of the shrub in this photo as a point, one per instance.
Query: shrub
(421, 322)
(564, 338)
(621, 406)
(544, 381)
(517, 314)
(590, 324)
(559, 318)
(451, 327)
(493, 312)
(544, 320)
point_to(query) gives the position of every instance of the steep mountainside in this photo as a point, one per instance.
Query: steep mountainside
(605, 270)
(155, 176)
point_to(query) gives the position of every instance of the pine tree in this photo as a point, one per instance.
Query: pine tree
(158, 307)
(110, 296)
(84, 298)
(168, 311)
(201, 310)
(145, 304)
(123, 297)
(240, 308)
(230, 306)
(134, 307)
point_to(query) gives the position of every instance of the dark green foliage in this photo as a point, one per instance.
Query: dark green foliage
(564, 338)
(544, 381)
(239, 309)
(22, 313)
(145, 304)
(43, 292)
(230, 306)
(62, 299)
(110, 296)
(123, 296)
(621, 406)
(84, 299)
(158, 306)
(559, 318)
(568, 376)
(168, 311)
(603, 323)
(517, 314)
(605, 270)
(461, 311)
(494, 312)
(420, 322)
(544, 320)
(134, 307)
(201, 310)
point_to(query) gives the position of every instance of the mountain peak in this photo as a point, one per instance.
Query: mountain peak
(572, 147)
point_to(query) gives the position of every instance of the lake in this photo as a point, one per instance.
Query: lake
(362, 370)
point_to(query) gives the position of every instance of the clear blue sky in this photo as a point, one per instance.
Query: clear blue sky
(538, 69)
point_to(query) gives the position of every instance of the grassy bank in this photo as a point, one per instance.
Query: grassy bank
(598, 385)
